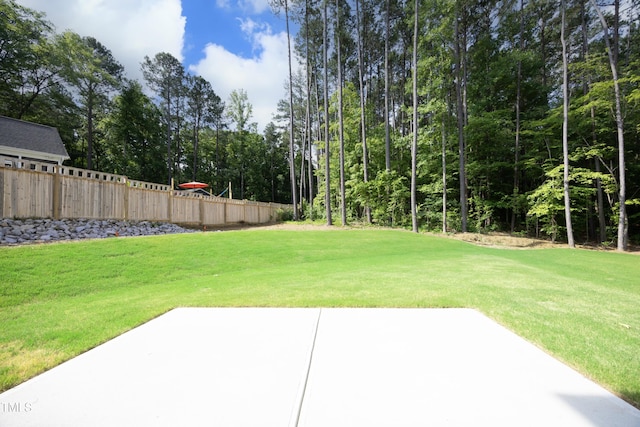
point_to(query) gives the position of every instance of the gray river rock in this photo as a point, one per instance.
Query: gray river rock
(26, 231)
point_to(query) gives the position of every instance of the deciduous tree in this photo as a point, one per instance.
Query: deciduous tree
(165, 76)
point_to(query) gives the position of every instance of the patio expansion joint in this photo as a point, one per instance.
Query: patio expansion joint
(295, 419)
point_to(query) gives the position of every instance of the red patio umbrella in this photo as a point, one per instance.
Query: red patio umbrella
(193, 184)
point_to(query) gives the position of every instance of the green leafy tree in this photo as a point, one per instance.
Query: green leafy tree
(94, 74)
(29, 62)
(240, 112)
(276, 165)
(205, 108)
(165, 76)
(134, 136)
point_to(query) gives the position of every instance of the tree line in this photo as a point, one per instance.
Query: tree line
(495, 115)
(172, 127)
(515, 115)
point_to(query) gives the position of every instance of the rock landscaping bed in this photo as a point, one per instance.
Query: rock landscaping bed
(25, 231)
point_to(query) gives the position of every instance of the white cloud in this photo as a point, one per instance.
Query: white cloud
(262, 76)
(247, 6)
(250, 27)
(223, 4)
(131, 29)
(257, 6)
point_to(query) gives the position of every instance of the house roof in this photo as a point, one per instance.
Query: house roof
(18, 137)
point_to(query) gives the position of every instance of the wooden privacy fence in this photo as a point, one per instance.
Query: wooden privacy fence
(30, 189)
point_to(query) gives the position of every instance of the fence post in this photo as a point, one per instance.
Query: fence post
(244, 210)
(2, 192)
(170, 203)
(126, 198)
(57, 190)
(201, 205)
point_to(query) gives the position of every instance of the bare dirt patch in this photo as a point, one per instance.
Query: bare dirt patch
(504, 240)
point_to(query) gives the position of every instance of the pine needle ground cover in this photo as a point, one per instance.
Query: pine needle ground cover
(59, 300)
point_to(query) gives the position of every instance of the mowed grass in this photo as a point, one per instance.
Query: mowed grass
(58, 300)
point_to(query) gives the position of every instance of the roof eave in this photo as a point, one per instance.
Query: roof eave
(30, 154)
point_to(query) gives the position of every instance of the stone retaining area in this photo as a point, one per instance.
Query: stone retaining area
(27, 231)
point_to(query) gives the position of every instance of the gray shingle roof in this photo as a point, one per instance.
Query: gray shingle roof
(31, 136)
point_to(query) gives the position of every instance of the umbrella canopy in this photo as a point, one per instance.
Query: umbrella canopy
(193, 184)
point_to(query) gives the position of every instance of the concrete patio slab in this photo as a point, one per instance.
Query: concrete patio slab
(447, 367)
(314, 367)
(189, 367)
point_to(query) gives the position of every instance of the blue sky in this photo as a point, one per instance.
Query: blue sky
(235, 44)
(210, 21)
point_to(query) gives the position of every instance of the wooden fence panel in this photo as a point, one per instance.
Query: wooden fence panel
(86, 198)
(251, 214)
(214, 211)
(186, 209)
(234, 212)
(42, 190)
(148, 205)
(266, 213)
(19, 186)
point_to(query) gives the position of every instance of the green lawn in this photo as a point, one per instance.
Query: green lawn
(58, 300)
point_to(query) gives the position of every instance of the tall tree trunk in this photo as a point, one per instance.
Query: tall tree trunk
(327, 163)
(310, 192)
(615, 49)
(363, 124)
(444, 175)
(387, 137)
(460, 77)
(414, 145)
(90, 130)
(623, 226)
(303, 160)
(516, 164)
(292, 160)
(308, 119)
(465, 74)
(465, 116)
(387, 99)
(343, 199)
(319, 135)
(168, 113)
(218, 183)
(272, 166)
(177, 170)
(565, 128)
(196, 127)
(602, 226)
(316, 88)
